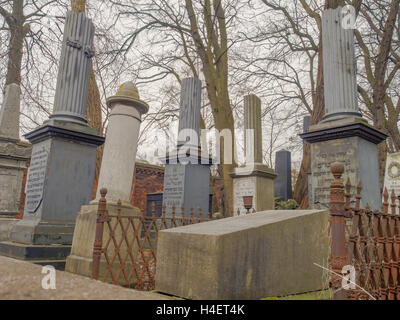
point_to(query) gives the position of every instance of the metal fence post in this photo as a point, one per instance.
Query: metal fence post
(98, 241)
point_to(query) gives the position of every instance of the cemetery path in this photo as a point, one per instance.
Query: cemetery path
(23, 281)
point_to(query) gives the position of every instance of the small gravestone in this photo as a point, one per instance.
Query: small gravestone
(392, 175)
(283, 168)
(187, 173)
(60, 178)
(254, 179)
(343, 135)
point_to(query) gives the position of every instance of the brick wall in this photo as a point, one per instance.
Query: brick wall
(148, 179)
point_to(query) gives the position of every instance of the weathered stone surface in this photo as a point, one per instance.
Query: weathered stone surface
(283, 168)
(13, 160)
(360, 158)
(256, 181)
(179, 187)
(392, 175)
(252, 123)
(81, 258)
(60, 181)
(23, 281)
(5, 228)
(73, 75)
(119, 155)
(340, 69)
(189, 114)
(266, 254)
(9, 113)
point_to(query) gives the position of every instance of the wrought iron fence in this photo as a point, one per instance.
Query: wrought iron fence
(125, 247)
(364, 241)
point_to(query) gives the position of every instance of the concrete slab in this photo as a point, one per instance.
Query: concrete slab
(267, 254)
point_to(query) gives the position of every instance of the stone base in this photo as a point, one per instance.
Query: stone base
(42, 255)
(81, 257)
(266, 254)
(5, 228)
(256, 181)
(32, 232)
(13, 159)
(187, 185)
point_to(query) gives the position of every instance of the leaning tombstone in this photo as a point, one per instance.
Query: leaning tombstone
(255, 178)
(61, 174)
(343, 135)
(116, 175)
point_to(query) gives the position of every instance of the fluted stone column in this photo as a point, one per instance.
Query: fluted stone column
(343, 135)
(252, 121)
(61, 175)
(254, 179)
(119, 155)
(189, 114)
(73, 76)
(340, 68)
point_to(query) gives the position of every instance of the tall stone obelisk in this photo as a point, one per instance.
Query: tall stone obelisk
(343, 135)
(187, 173)
(116, 175)
(254, 179)
(13, 156)
(61, 175)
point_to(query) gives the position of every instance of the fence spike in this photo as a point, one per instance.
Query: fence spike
(393, 202)
(119, 205)
(153, 209)
(385, 204)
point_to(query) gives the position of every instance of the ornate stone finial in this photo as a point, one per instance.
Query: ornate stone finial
(103, 192)
(128, 94)
(337, 169)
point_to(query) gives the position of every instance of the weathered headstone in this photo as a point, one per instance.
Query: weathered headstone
(392, 174)
(343, 135)
(283, 168)
(116, 175)
(13, 154)
(61, 175)
(187, 174)
(254, 179)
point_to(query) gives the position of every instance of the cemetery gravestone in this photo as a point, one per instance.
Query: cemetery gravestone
(187, 173)
(343, 135)
(116, 175)
(60, 179)
(283, 168)
(254, 179)
(392, 175)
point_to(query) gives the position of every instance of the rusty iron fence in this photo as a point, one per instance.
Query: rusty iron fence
(364, 241)
(125, 247)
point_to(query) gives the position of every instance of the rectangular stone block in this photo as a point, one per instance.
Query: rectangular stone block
(360, 159)
(5, 228)
(266, 254)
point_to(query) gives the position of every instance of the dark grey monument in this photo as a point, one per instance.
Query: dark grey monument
(187, 173)
(343, 135)
(61, 175)
(283, 168)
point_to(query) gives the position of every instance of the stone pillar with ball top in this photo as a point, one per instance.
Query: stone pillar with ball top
(343, 135)
(61, 175)
(116, 176)
(255, 178)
